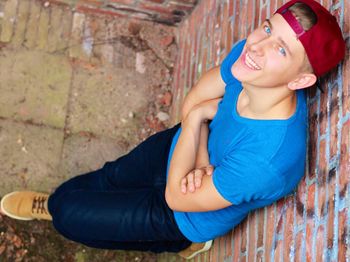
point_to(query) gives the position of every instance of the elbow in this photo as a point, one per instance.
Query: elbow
(170, 199)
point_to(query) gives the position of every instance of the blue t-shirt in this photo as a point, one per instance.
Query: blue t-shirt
(256, 161)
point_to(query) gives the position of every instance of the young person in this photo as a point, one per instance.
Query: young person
(195, 182)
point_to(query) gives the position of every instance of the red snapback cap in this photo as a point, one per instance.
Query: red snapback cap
(323, 42)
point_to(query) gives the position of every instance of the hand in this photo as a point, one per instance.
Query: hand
(193, 179)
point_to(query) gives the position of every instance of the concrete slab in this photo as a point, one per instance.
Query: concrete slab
(84, 152)
(29, 156)
(101, 105)
(34, 87)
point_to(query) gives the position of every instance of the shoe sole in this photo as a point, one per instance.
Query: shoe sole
(9, 214)
(206, 247)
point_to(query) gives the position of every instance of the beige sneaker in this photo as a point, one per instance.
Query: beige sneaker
(195, 249)
(26, 205)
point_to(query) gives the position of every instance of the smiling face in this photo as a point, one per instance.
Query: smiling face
(272, 55)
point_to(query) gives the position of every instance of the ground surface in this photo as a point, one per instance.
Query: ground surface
(77, 90)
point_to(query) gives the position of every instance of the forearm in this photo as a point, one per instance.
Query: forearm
(185, 153)
(202, 158)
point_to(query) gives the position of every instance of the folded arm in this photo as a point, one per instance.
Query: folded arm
(183, 161)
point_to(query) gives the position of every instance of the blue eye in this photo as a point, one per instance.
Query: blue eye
(267, 29)
(282, 51)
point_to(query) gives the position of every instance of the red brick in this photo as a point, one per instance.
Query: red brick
(320, 245)
(90, 3)
(310, 226)
(298, 246)
(279, 215)
(321, 208)
(288, 229)
(237, 233)
(270, 231)
(223, 27)
(323, 116)
(249, 22)
(155, 8)
(180, 8)
(88, 10)
(346, 24)
(334, 110)
(310, 204)
(244, 236)
(228, 244)
(330, 222)
(300, 201)
(236, 34)
(222, 245)
(252, 240)
(243, 19)
(278, 250)
(214, 253)
(155, 1)
(344, 165)
(229, 38)
(342, 245)
(261, 220)
(124, 2)
(263, 13)
(346, 78)
(230, 8)
(273, 7)
(312, 150)
(257, 14)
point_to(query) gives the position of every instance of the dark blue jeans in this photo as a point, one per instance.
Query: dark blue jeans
(122, 205)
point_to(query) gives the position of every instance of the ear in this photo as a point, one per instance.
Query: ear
(303, 80)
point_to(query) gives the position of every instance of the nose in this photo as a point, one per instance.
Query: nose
(258, 47)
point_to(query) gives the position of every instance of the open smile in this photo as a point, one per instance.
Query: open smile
(249, 62)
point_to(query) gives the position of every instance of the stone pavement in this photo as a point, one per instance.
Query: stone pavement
(76, 90)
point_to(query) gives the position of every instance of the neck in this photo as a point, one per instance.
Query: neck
(266, 103)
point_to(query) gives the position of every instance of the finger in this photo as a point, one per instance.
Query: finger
(209, 170)
(190, 182)
(184, 185)
(198, 174)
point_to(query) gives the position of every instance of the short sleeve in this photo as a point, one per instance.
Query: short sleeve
(242, 178)
(225, 68)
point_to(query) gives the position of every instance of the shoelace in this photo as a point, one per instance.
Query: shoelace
(39, 205)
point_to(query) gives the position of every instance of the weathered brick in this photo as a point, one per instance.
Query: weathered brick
(298, 247)
(8, 20)
(310, 226)
(346, 78)
(344, 169)
(330, 221)
(334, 110)
(261, 220)
(300, 201)
(221, 250)
(214, 254)
(237, 242)
(32, 25)
(252, 239)
(312, 149)
(278, 250)
(279, 215)
(228, 244)
(342, 235)
(321, 185)
(270, 231)
(244, 246)
(320, 245)
(43, 28)
(323, 116)
(288, 229)
(310, 204)
(21, 22)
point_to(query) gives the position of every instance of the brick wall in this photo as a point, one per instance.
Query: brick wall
(169, 12)
(313, 223)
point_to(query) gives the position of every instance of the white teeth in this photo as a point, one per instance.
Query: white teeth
(250, 62)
